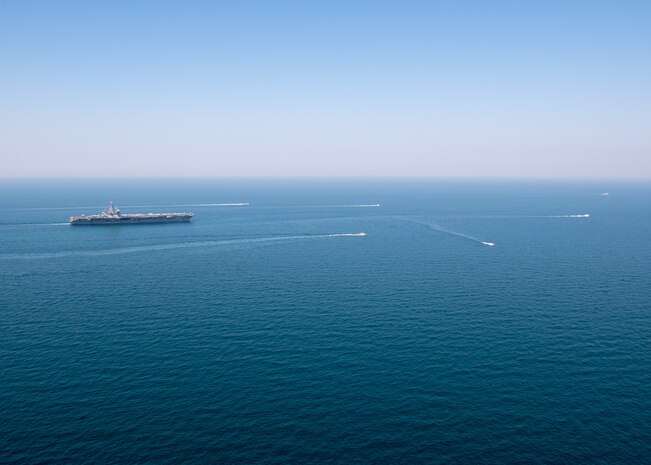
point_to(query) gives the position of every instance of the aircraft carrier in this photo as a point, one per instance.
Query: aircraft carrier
(112, 215)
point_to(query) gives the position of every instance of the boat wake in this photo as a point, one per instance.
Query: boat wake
(178, 245)
(360, 205)
(439, 228)
(513, 217)
(89, 207)
(241, 204)
(35, 224)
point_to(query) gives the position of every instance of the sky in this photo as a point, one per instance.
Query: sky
(325, 88)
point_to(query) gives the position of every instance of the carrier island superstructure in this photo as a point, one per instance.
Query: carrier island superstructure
(112, 215)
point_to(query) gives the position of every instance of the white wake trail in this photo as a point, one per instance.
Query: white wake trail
(360, 205)
(94, 207)
(359, 234)
(241, 204)
(35, 224)
(439, 228)
(178, 245)
(516, 217)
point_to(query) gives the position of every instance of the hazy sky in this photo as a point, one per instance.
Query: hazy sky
(329, 88)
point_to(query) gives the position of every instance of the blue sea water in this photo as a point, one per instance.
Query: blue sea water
(268, 334)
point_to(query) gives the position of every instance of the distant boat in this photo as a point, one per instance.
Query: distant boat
(605, 193)
(112, 216)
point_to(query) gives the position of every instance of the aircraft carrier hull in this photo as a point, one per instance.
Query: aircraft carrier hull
(94, 220)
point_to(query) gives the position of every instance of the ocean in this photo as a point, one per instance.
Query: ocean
(477, 322)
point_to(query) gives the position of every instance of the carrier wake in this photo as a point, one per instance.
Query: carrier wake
(112, 215)
(172, 246)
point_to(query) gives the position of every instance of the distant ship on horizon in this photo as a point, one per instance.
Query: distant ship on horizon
(113, 216)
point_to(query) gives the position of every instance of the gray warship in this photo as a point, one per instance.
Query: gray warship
(112, 215)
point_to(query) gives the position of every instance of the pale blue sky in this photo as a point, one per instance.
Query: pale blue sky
(331, 88)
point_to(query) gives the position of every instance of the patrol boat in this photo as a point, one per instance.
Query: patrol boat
(112, 215)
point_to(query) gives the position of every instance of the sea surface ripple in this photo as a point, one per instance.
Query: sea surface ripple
(415, 344)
